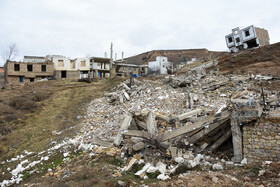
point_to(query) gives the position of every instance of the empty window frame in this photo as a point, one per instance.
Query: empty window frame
(43, 68)
(247, 33)
(229, 39)
(60, 63)
(83, 63)
(29, 67)
(16, 67)
(73, 63)
(31, 79)
(237, 40)
(21, 79)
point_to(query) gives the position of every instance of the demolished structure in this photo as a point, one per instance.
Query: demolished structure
(195, 114)
(246, 38)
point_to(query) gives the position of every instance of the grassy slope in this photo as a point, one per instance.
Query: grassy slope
(34, 131)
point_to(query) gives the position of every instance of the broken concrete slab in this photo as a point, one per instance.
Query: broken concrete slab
(185, 129)
(221, 140)
(130, 164)
(124, 126)
(138, 146)
(141, 173)
(188, 114)
(151, 125)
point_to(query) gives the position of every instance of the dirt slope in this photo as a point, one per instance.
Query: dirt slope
(264, 60)
(176, 56)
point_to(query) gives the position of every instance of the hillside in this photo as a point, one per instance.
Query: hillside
(176, 56)
(264, 60)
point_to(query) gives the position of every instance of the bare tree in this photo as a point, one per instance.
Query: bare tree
(9, 54)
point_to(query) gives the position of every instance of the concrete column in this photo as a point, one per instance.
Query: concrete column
(236, 139)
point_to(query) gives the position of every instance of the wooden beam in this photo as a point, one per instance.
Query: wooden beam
(221, 140)
(124, 126)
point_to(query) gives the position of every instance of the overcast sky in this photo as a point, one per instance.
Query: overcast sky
(78, 28)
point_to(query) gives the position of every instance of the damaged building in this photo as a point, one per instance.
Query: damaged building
(161, 66)
(246, 38)
(66, 68)
(123, 69)
(100, 67)
(21, 72)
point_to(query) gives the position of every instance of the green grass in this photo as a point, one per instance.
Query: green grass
(25, 175)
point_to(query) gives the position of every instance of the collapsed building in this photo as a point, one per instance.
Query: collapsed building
(246, 38)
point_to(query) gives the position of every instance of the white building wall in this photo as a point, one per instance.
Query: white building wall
(79, 64)
(161, 64)
(60, 68)
(67, 64)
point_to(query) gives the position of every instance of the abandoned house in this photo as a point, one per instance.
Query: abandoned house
(160, 66)
(123, 69)
(245, 38)
(66, 68)
(100, 67)
(20, 72)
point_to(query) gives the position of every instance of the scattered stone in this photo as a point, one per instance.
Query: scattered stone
(217, 167)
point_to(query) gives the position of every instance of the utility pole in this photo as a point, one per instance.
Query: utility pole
(111, 55)
(116, 56)
(122, 56)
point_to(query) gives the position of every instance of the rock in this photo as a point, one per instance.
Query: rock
(268, 162)
(247, 179)
(161, 167)
(179, 160)
(179, 181)
(121, 183)
(163, 177)
(261, 172)
(138, 146)
(152, 169)
(215, 179)
(217, 167)
(136, 139)
(244, 161)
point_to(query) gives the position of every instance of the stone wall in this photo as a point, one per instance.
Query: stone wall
(261, 141)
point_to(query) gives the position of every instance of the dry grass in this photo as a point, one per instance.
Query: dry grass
(33, 132)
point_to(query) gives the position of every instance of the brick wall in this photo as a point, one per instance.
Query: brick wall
(261, 141)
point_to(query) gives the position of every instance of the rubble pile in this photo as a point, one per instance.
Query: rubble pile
(168, 124)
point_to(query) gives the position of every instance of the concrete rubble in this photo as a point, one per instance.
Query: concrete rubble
(174, 122)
